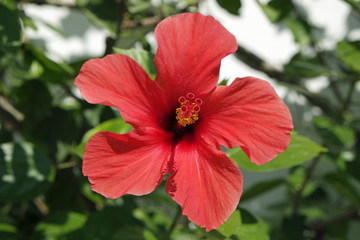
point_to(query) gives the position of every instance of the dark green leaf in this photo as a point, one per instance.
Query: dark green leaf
(341, 183)
(306, 67)
(260, 188)
(294, 227)
(232, 6)
(349, 52)
(28, 171)
(104, 224)
(300, 150)
(275, 10)
(9, 30)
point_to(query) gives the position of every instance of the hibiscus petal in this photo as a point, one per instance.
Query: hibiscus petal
(249, 114)
(206, 183)
(118, 81)
(190, 50)
(132, 163)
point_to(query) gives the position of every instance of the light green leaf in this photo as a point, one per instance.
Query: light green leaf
(116, 125)
(252, 228)
(349, 52)
(231, 225)
(61, 223)
(144, 58)
(300, 150)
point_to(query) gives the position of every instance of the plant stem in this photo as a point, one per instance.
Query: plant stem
(308, 176)
(173, 224)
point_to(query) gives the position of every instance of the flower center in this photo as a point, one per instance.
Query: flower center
(188, 112)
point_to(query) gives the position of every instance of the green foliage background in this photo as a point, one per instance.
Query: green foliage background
(311, 191)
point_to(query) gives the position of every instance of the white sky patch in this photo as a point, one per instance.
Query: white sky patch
(317, 84)
(64, 48)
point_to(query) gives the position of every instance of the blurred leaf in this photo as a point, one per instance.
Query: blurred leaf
(232, 6)
(9, 30)
(294, 227)
(53, 71)
(355, 4)
(138, 6)
(275, 10)
(28, 171)
(61, 223)
(300, 30)
(353, 168)
(105, 223)
(260, 188)
(116, 125)
(103, 14)
(253, 231)
(300, 150)
(335, 136)
(144, 58)
(231, 225)
(300, 66)
(341, 183)
(349, 52)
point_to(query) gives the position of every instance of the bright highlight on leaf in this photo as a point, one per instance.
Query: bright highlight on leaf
(180, 120)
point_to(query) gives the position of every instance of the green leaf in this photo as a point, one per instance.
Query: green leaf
(61, 223)
(116, 125)
(300, 30)
(9, 30)
(28, 171)
(275, 10)
(231, 225)
(252, 228)
(144, 58)
(53, 71)
(349, 53)
(300, 150)
(341, 183)
(232, 6)
(260, 188)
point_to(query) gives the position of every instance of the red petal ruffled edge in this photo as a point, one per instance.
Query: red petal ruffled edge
(206, 183)
(132, 163)
(118, 81)
(249, 114)
(190, 49)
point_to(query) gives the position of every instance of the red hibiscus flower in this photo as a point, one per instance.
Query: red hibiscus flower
(180, 120)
